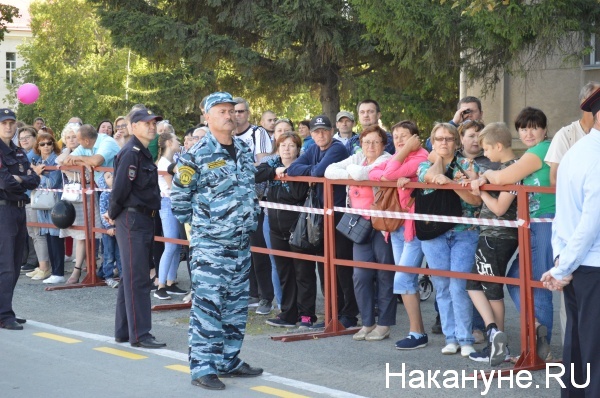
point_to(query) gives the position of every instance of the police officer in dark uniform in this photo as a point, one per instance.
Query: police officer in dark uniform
(16, 177)
(134, 202)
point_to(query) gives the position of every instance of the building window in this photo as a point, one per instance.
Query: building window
(11, 66)
(592, 60)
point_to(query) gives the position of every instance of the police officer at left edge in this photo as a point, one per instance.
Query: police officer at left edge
(16, 177)
(134, 202)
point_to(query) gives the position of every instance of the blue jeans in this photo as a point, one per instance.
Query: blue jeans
(453, 251)
(406, 254)
(169, 261)
(541, 261)
(274, 275)
(110, 256)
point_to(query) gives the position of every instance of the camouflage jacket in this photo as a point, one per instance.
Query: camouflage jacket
(215, 193)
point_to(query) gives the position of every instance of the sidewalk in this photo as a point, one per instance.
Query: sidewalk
(337, 367)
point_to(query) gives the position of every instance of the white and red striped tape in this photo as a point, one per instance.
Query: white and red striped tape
(365, 212)
(405, 216)
(89, 191)
(86, 191)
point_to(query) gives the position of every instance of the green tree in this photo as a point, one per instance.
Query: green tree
(7, 14)
(483, 37)
(73, 63)
(81, 73)
(277, 46)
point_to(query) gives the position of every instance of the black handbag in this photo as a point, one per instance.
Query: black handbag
(355, 227)
(442, 202)
(307, 232)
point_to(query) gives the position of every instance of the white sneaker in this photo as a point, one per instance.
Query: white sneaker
(450, 349)
(466, 350)
(69, 259)
(55, 279)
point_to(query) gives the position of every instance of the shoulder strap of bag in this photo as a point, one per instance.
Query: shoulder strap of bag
(453, 164)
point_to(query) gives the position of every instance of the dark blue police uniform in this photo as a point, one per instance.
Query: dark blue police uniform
(13, 234)
(134, 202)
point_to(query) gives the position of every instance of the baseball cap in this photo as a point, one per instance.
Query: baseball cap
(592, 103)
(342, 114)
(144, 115)
(220, 97)
(320, 122)
(6, 114)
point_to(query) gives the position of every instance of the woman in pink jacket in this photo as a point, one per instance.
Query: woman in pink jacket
(402, 167)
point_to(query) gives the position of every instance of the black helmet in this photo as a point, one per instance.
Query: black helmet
(63, 214)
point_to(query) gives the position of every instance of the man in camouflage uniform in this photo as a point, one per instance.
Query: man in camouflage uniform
(214, 191)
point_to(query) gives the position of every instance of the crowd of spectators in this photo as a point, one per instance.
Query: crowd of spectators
(463, 150)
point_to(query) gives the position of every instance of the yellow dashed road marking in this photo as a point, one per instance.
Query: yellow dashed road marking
(120, 353)
(179, 368)
(57, 337)
(277, 392)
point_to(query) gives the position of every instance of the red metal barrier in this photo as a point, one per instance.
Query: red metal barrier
(528, 359)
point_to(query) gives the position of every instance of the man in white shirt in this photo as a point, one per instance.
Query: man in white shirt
(576, 247)
(567, 136)
(267, 121)
(255, 137)
(564, 139)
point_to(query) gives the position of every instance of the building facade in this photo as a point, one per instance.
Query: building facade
(18, 32)
(554, 88)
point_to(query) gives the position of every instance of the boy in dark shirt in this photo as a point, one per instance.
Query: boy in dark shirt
(495, 247)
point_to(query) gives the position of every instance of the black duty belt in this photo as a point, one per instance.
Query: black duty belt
(16, 203)
(143, 210)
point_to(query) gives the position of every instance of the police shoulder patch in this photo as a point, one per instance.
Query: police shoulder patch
(186, 173)
(132, 172)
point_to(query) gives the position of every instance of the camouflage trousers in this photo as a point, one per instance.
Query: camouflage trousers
(219, 306)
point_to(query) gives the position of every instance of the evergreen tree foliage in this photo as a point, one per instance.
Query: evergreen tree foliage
(277, 46)
(7, 14)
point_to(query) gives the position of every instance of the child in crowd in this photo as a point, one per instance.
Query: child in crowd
(111, 256)
(495, 247)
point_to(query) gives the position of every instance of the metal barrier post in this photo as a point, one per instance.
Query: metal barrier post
(333, 327)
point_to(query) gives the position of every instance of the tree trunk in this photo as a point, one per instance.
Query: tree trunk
(330, 93)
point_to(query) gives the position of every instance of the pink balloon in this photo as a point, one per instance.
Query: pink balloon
(28, 93)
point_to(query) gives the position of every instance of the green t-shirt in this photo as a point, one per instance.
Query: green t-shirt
(540, 203)
(153, 148)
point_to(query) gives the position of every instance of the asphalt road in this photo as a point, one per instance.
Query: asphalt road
(40, 362)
